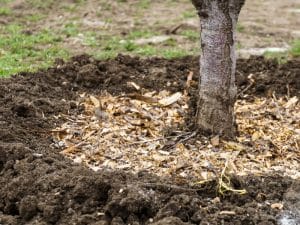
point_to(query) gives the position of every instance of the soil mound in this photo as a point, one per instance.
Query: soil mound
(40, 186)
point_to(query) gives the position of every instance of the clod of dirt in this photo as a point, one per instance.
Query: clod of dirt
(28, 207)
(170, 221)
(291, 214)
(270, 76)
(132, 201)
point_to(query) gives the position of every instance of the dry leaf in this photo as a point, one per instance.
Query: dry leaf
(255, 136)
(215, 141)
(89, 134)
(82, 95)
(292, 102)
(171, 99)
(204, 175)
(137, 87)
(188, 82)
(158, 157)
(216, 200)
(78, 160)
(69, 150)
(227, 213)
(125, 166)
(230, 145)
(95, 101)
(277, 206)
(143, 98)
(164, 152)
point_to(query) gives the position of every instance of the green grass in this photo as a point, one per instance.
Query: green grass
(144, 4)
(282, 57)
(109, 47)
(70, 29)
(240, 28)
(174, 53)
(139, 5)
(41, 4)
(34, 17)
(72, 7)
(147, 50)
(2, 2)
(22, 52)
(189, 14)
(191, 35)
(295, 50)
(105, 6)
(91, 39)
(5, 11)
(135, 34)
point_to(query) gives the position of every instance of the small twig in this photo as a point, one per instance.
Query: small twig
(147, 141)
(188, 137)
(188, 82)
(246, 88)
(288, 91)
(275, 97)
(174, 29)
(183, 140)
(158, 139)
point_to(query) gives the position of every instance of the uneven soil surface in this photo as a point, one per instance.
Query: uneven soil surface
(40, 186)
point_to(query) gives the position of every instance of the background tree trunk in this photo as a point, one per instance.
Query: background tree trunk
(217, 90)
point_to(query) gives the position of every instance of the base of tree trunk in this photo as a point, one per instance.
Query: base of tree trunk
(217, 90)
(215, 114)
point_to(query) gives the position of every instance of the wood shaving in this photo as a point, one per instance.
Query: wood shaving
(136, 131)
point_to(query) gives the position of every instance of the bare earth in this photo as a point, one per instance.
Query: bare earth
(143, 174)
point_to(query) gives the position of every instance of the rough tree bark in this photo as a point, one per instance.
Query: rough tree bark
(217, 90)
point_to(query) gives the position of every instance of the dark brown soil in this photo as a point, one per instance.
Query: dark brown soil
(40, 186)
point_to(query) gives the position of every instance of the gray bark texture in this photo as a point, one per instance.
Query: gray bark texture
(217, 90)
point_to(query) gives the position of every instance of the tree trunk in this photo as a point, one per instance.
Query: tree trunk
(217, 90)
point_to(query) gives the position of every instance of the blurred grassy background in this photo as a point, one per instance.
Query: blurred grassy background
(33, 33)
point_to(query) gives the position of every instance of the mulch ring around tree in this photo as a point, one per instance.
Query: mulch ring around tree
(112, 142)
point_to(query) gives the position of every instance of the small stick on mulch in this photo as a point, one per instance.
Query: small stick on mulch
(252, 82)
(182, 140)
